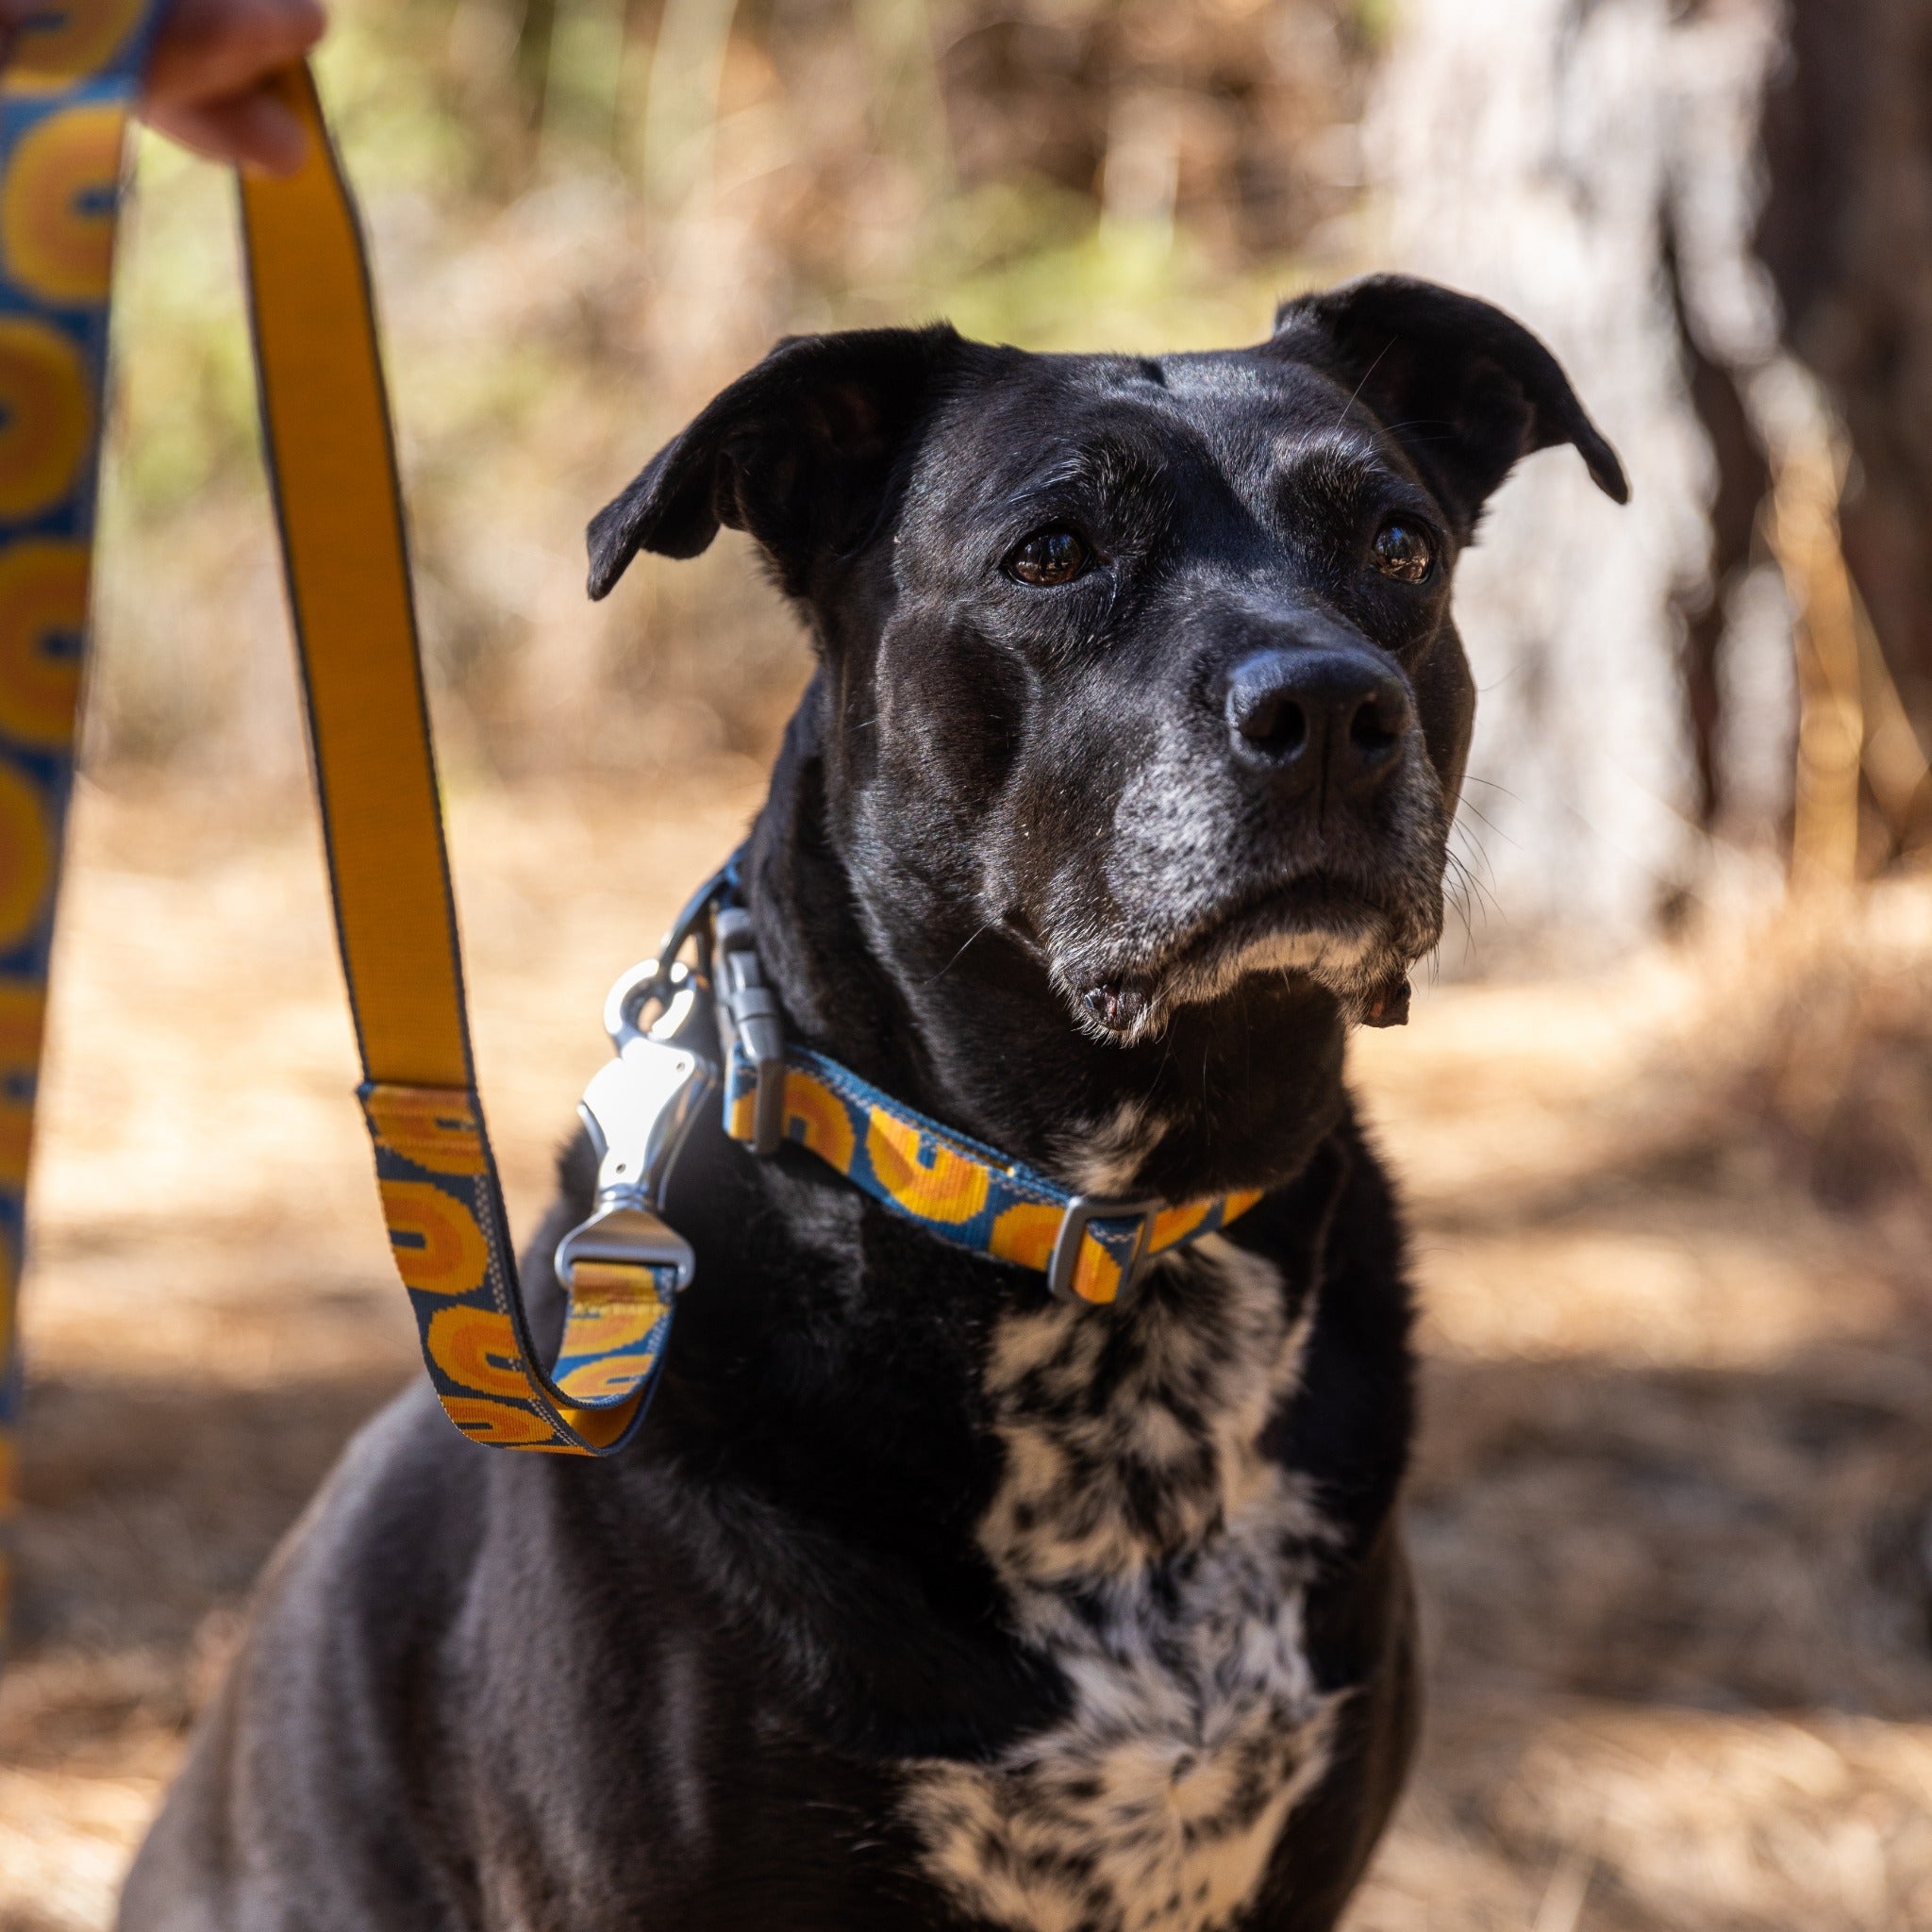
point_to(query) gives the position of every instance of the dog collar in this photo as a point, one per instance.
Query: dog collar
(639, 1107)
(1092, 1248)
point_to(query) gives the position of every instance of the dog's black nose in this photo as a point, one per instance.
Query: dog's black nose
(1311, 717)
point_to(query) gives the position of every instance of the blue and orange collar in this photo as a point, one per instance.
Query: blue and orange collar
(624, 1267)
(1090, 1248)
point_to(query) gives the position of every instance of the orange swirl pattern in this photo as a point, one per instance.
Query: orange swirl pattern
(57, 206)
(815, 1116)
(1097, 1274)
(46, 416)
(502, 1425)
(437, 1244)
(930, 1180)
(450, 1247)
(43, 615)
(965, 1192)
(1025, 1233)
(477, 1348)
(63, 42)
(26, 855)
(23, 1015)
(431, 1127)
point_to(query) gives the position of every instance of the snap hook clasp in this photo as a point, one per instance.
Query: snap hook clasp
(638, 1110)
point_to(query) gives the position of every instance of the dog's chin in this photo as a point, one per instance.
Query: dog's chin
(1314, 930)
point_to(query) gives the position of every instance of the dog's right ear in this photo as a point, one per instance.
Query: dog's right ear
(799, 452)
(1466, 388)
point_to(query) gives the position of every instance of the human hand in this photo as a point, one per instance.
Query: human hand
(211, 75)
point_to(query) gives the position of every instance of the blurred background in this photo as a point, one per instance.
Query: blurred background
(1664, 1112)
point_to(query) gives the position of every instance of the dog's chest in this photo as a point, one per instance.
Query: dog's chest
(1152, 1552)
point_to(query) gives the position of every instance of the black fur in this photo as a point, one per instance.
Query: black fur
(1022, 854)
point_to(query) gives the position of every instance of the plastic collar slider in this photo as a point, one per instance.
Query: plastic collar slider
(759, 1029)
(1062, 1270)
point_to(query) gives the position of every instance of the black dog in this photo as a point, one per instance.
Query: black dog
(1121, 792)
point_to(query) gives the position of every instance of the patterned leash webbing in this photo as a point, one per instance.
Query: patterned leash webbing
(332, 465)
(65, 91)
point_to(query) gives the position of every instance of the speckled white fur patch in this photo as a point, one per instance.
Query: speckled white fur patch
(1104, 1156)
(1150, 1548)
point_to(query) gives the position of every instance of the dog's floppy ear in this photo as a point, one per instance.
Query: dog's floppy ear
(798, 452)
(1465, 389)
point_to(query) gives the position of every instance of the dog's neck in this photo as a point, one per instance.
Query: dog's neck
(912, 986)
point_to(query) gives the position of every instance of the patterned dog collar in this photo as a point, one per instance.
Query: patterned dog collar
(1092, 1248)
(625, 1268)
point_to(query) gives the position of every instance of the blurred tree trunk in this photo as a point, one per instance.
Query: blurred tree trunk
(1599, 167)
(1846, 233)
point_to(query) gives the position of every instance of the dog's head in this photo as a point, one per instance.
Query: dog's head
(1144, 664)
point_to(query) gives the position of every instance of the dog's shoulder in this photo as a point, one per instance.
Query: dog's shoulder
(295, 1769)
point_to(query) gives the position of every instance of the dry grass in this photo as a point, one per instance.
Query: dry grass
(1671, 1506)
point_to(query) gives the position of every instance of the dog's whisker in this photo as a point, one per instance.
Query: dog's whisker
(1484, 819)
(981, 933)
(1356, 394)
(1475, 779)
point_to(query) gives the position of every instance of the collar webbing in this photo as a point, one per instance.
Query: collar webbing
(1090, 1247)
(964, 1192)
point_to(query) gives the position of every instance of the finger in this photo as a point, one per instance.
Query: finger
(257, 130)
(212, 50)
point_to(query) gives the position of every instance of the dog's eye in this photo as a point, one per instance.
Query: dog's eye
(1049, 557)
(1403, 552)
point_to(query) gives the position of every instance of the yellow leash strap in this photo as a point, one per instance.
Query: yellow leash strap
(331, 460)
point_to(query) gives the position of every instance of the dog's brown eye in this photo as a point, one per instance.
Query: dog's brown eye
(1048, 556)
(1403, 552)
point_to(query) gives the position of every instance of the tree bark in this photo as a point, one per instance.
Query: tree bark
(1593, 168)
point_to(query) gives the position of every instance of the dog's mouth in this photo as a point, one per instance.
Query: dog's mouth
(1318, 925)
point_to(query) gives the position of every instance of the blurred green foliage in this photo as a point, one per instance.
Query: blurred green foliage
(588, 214)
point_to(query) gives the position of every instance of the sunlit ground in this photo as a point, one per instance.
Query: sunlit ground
(1671, 1509)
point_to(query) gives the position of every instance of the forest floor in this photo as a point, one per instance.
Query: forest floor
(1671, 1509)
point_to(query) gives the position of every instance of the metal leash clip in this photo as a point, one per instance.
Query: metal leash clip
(748, 1010)
(639, 1110)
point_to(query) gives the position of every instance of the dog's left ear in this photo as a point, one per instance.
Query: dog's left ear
(1465, 389)
(799, 452)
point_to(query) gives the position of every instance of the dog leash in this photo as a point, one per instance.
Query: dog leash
(69, 81)
(332, 469)
(331, 461)
(66, 89)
